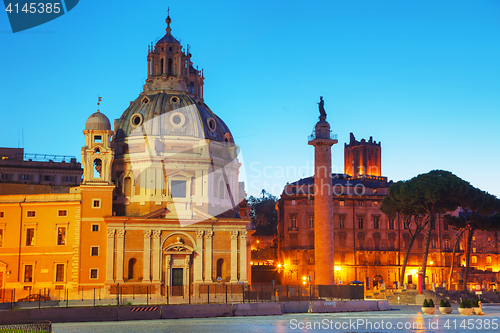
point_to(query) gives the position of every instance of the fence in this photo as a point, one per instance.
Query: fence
(197, 294)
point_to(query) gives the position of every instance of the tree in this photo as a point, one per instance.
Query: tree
(263, 212)
(398, 203)
(477, 206)
(436, 192)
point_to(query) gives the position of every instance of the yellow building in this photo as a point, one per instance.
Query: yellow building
(158, 205)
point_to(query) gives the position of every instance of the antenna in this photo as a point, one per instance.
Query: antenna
(22, 133)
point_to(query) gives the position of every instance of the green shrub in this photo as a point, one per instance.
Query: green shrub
(426, 303)
(442, 303)
(475, 303)
(463, 304)
(431, 303)
(447, 304)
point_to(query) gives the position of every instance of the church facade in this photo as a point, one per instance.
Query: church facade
(158, 206)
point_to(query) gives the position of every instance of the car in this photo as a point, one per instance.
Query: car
(34, 298)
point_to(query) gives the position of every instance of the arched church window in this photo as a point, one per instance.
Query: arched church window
(127, 186)
(131, 264)
(191, 87)
(97, 168)
(161, 66)
(221, 269)
(169, 66)
(222, 190)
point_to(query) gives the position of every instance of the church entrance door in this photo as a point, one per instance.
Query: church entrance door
(177, 282)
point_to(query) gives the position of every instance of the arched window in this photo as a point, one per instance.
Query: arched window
(131, 264)
(222, 189)
(169, 66)
(191, 87)
(97, 168)
(161, 66)
(221, 269)
(127, 186)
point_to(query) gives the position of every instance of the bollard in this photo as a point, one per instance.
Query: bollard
(94, 297)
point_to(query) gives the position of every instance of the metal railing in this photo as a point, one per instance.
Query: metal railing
(128, 295)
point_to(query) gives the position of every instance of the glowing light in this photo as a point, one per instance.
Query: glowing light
(304, 278)
(303, 282)
(258, 241)
(251, 262)
(432, 262)
(338, 268)
(279, 265)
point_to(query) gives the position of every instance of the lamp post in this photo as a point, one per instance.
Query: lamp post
(309, 280)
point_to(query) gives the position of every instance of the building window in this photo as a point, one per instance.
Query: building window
(5, 176)
(178, 188)
(1, 215)
(311, 221)
(376, 222)
(488, 260)
(341, 222)
(360, 203)
(191, 87)
(30, 236)
(96, 203)
(31, 213)
(61, 236)
(46, 178)
(93, 273)
(391, 223)
(360, 222)
(294, 202)
(1, 237)
(446, 244)
(95, 227)
(60, 273)
(433, 243)
(294, 221)
(94, 251)
(473, 250)
(69, 179)
(474, 259)
(445, 225)
(473, 238)
(28, 273)
(97, 138)
(375, 203)
(341, 203)
(62, 213)
(25, 177)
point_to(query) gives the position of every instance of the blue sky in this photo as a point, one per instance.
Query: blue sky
(422, 77)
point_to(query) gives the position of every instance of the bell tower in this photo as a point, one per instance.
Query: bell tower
(97, 154)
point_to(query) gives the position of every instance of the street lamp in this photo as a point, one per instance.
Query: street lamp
(309, 279)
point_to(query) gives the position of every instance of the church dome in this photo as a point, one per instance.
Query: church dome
(171, 114)
(98, 121)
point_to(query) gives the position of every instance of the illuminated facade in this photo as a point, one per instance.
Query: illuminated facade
(158, 206)
(370, 247)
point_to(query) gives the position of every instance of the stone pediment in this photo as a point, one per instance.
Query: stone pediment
(179, 247)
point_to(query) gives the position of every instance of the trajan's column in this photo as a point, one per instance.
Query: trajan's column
(322, 141)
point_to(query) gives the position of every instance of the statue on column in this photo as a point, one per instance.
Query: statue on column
(321, 105)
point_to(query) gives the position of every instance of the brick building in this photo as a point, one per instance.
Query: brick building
(370, 247)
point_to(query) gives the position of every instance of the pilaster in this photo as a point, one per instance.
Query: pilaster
(146, 275)
(208, 256)
(234, 256)
(198, 257)
(110, 251)
(156, 256)
(120, 244)
(243, 257)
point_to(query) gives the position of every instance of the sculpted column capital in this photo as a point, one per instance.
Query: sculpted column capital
(199, 233)
(234, 234)
(156, 233)
(111, 232)
(209, 234)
